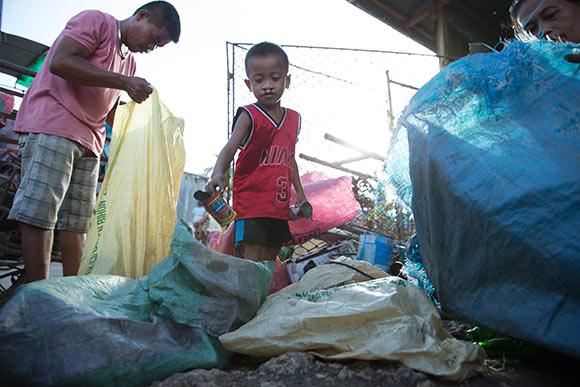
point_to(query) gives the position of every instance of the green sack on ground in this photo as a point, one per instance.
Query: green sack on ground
(106, 330)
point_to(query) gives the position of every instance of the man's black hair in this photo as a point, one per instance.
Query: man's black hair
(163, 14)
(266, 49)
(515, 7)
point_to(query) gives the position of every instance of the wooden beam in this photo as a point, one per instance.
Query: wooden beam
(469, 12)
(339, 141)
(417, 18)
(351, 160)
(401, 18)
(404, 85)
(330, 165)
(389, 10)
(16, 93)
(4, 64)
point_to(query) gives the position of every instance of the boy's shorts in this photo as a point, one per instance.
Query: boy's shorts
(58, 184)
(263, 231)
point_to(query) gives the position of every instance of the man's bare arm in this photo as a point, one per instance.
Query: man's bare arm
(69, 62)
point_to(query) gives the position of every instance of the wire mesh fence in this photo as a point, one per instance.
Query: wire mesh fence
(340, 92)
(349, 100)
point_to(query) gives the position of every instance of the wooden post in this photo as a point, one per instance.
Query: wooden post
(391, 116)
(441, 32)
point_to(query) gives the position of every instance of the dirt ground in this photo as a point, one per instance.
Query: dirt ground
(301, 369)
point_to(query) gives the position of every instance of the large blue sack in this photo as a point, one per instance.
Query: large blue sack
(488, 154)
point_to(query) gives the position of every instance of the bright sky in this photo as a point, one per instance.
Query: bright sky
(191, 76)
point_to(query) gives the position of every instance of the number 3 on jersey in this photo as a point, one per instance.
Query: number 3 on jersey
(282, 194)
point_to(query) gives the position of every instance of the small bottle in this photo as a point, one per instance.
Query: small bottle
(217, 207)
(300, 211)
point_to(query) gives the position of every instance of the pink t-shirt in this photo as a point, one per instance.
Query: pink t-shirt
(59, 107)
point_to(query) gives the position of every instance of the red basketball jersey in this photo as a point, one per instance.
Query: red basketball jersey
(265, 166)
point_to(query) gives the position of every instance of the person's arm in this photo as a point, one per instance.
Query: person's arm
(201, 220)
(69, 61)
(241, 130)
(300, 196)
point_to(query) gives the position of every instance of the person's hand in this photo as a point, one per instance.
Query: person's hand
(301, 210)
(138, 88)
(300, 198)
(216, 182)
(306, 209)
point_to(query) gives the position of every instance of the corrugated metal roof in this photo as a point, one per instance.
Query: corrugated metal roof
(471, 21)
(20, 51)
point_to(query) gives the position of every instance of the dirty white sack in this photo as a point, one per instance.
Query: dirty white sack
(339, 313)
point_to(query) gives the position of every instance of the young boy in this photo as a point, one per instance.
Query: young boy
(266, 134)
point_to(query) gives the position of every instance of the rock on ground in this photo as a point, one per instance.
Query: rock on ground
(301, 369)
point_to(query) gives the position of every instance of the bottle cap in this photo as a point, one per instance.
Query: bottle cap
(201, 195)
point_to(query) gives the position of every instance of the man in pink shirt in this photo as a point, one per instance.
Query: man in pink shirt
(61, 123)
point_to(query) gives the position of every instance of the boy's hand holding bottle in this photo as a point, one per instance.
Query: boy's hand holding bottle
(216, 183)
(302, 209)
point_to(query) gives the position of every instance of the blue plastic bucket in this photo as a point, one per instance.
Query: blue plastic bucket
(375, 249)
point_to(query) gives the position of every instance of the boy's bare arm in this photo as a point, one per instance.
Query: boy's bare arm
(300, 196)
(241, 129)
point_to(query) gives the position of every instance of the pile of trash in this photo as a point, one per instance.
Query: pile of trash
(198, 306)
(163, 303)
(486, 155)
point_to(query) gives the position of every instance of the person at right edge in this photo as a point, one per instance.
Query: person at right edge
(266, 134)
(558, 20)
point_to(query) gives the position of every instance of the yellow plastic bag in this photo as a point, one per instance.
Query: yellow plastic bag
(134, 218)
(381, 319)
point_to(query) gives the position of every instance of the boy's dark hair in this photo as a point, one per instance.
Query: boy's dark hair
(266, 49)
(163, 14)
(515, 7)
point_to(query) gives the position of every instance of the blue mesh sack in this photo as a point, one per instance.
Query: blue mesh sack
(488, 155)
(415, 270)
